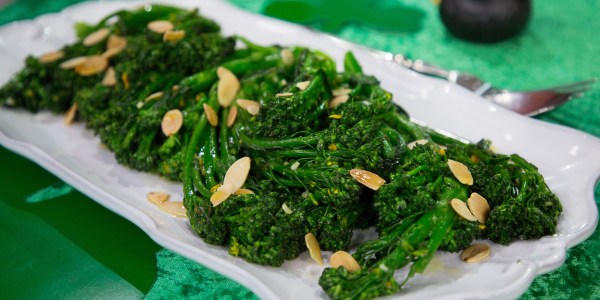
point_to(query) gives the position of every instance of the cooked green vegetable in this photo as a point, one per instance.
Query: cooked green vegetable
(321, 142)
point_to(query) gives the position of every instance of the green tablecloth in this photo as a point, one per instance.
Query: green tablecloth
(70, 247)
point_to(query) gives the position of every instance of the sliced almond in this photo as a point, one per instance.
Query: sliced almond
(173, 36)
(70, 114)
(172, 122)
(345, 260)
(313, 248)
(231, 116)
(93, 65)
(338, 100)
(173, 208)
(475, 253)
(460, 207)
(237, 173)
(284, 94)
(341, 92)
(244, 103)
(160, 26)
(157, 197)
(72, 63)
(368, 179)
(96, 37)
(295, 166)
(243, 191)
(461, 172)
(151, 97)
(211, 115)
(286, 209)
(253, 109)
(287, 57)
(412, 144)
(110, 77)
(51, 57)
(227, 87)
(108, 54)
(479, 207)
(116, 42)
(302, 85)
(222, 193)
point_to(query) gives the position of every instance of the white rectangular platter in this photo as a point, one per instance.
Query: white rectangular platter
(568, 159)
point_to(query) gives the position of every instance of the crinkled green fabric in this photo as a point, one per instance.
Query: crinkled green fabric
(560, 45)
(179, 277)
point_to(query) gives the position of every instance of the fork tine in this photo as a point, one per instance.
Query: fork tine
(556, 101)
(576, 87)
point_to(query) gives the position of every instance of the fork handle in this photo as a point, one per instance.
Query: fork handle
(429, 69)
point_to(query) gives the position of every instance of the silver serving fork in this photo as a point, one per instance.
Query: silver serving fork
(528, 103)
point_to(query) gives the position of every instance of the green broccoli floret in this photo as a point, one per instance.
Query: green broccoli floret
(531, 214)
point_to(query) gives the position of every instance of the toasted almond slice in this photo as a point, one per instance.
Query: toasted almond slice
(227, 87)
(211, 115)
(172, 122)
(153, 96)
(231, 116)
(51, 57)
(338, 100)
(475, 253)
(313, 248)
(222, 193)
(302, 85)
(368, 179)
(479, 207)
(237, 173)
(114, 41)
(253, 109)
(344, 259)
(460, 207)
(295, 166)
(284, 94)
(412, 144)
(96, 37)
(70, 114)
(287, 57)
(110, 77)
(157, 197)
(112, 52)
(173, 35)
(243, 191)
(93, 65)
(461, 172)
(72, 63)
(245, 103)
(341, 92)
(160, 26)
(286, 209)
(174, 208)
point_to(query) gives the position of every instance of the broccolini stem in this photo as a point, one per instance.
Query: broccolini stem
(351, 65)
(190, 179)
(256, 61)
(401, 124)
(268, 144)
(209, 158)
(367, 253)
